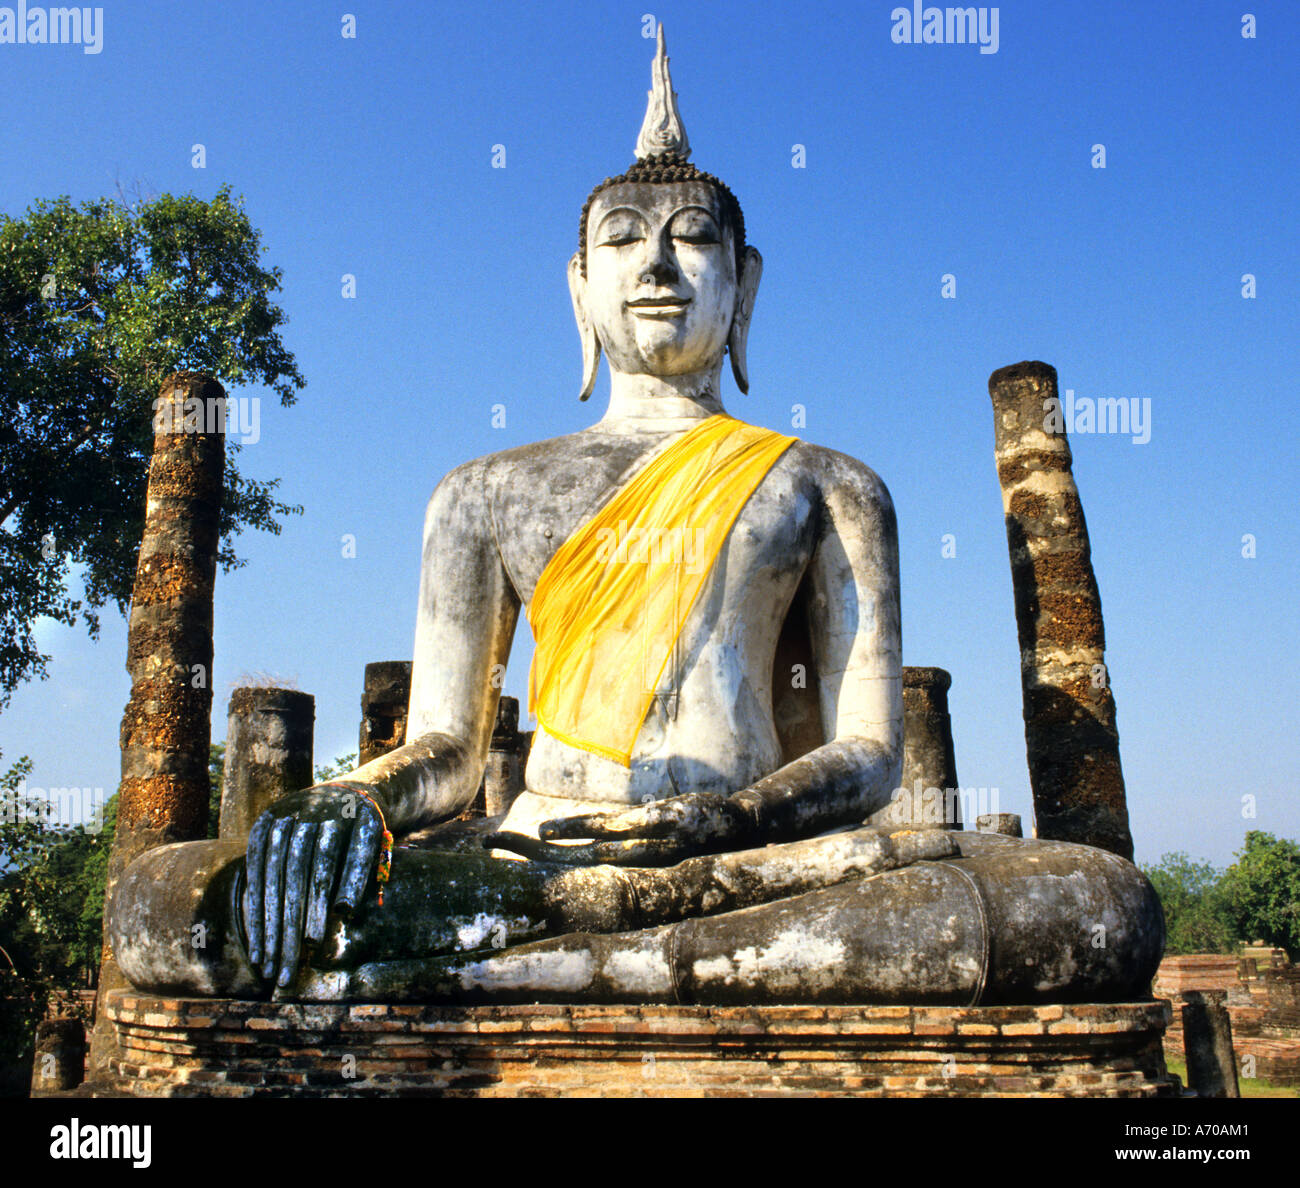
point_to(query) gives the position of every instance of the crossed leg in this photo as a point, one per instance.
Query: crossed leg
(863, 916)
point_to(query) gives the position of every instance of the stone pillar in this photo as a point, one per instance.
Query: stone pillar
(167, 724)
(927, 795)
(1072, 742)
(1207, 1041)
(384, 702)
(268, 753)
(384, 705)
(503, 778)
(1007, 824)
(60, 1059)
(928, 759)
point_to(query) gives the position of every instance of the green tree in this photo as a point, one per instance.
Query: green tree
(76, 862)
(341, 766)
(52, 901)
(92, 877)
(1261, 891)
(216, 766)
(1196, 919)
(98, 304)
(46, 944)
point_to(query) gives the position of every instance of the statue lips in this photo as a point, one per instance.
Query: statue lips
(659, 307)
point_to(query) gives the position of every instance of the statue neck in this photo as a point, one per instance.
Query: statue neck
(648, 402)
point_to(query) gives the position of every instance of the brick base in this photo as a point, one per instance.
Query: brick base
(212, 1047)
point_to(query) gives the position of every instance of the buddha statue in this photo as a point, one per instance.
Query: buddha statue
(717, 685)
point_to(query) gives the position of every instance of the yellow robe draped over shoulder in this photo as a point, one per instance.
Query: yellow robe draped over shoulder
(611, 603)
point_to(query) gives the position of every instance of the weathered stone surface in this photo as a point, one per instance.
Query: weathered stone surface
(864, 917)
(1265, 956)
(1007, 824)
(60, 1059)
(927, 796)
(1207, 1034)
(171, 926)
(166, 726)
(503, 772)
(383, 707)
(268, 753)
(383, 729)
(1195, 971)
(503, 777)
(625, 1051)
(1070, 733)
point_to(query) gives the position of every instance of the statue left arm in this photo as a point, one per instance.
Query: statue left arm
(854, 625)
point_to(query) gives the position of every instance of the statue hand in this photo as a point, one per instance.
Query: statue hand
(661, 833)
(299, 851)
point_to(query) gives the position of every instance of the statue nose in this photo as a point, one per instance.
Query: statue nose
(659, 268)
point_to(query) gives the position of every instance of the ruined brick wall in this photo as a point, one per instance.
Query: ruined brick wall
(1263, 1006)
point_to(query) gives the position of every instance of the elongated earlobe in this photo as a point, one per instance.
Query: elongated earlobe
(587, 332)
(738, 339)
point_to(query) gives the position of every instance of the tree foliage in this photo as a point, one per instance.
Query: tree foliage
(49, 935)
(1261, 891)
(52, 901)
(341, 766)
(1196, 919)
(98, 304)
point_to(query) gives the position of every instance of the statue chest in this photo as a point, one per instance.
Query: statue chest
(767, 547)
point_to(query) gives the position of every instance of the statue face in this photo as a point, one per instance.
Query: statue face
(661, 286)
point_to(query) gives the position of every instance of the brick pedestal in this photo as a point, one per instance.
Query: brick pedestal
(214, 1047)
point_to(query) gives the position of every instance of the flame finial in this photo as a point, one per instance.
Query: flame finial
(662, 131)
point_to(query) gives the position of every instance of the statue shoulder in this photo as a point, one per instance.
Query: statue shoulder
(462, 484)
(474, 486)
(508, 464)
(843, 481)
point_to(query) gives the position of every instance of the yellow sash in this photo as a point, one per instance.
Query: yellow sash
(612, 601)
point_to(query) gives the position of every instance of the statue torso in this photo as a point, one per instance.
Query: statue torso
(711, 726)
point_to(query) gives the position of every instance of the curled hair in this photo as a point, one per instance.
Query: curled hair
(664, 169)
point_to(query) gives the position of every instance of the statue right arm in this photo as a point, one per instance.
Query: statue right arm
(464, 626)
(321, 844)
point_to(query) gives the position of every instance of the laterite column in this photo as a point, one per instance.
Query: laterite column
(166, 728)
(1072, 742)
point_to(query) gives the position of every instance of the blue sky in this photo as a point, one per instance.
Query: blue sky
(373, 156)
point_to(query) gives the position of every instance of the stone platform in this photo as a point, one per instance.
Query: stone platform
(225, 1048)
